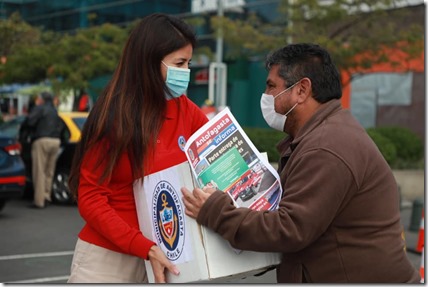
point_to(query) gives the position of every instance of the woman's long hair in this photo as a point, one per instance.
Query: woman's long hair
(129, 113)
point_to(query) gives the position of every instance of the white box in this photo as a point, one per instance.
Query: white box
(199, 253)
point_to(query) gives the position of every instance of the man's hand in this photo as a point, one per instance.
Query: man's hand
(194, 201)
(159, 263)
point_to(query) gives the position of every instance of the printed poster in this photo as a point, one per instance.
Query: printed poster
(222, 156)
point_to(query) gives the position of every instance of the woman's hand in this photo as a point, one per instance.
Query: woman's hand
(194, 201)
(159, 263)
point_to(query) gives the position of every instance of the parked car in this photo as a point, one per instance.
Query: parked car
(74, 122)
(247, 193)
(12, 170)
(244, 187)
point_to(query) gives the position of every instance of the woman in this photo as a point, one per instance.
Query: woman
(134, 129)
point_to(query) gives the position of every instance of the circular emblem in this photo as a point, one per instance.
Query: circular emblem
(168, 220)
(181, 142)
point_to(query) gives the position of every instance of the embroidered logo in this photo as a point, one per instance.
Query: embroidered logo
(181, 142)
(168, 220)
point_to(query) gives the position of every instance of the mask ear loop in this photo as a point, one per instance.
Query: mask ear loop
(290, 110)
(284, 92)
(287, 89)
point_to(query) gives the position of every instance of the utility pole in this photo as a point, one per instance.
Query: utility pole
(219, 47)
(290, 22)
(218, 70)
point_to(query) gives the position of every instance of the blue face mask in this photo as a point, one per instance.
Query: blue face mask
(177, 80)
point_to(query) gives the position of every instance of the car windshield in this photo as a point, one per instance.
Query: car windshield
(79, 122)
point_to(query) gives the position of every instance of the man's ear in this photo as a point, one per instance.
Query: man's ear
(304, 90)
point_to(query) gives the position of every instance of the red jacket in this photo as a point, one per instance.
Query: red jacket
(109, 209)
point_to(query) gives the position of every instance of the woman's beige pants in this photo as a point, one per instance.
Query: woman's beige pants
(94, 264)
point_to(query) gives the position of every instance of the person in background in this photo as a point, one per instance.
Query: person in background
(134, 129)
(56, 102)
(46, 127)
(84, 102)
(338, 220)
(12, 113)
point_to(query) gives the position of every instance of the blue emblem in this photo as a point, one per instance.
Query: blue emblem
(168, 220)
(181, 142)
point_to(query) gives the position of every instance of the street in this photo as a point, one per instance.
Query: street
(37, 245)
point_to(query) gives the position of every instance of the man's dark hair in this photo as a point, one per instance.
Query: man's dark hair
(47, 97)
(311, 61)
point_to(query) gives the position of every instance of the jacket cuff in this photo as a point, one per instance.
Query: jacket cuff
(212, 206)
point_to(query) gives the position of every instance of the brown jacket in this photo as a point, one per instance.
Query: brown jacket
(339, 218)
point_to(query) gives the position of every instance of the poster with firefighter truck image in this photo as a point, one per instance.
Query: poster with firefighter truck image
(222, 156)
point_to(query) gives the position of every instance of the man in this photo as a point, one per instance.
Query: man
(46, 128)
(339, 219)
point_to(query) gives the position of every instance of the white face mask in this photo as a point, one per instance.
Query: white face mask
(272, 118)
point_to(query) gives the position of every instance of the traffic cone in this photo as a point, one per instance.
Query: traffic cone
(422, 269)
(421, 236)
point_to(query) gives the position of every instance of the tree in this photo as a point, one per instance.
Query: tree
(14, 35)
(28, 63)
(89, 53)
(357, 33)
(68, 61)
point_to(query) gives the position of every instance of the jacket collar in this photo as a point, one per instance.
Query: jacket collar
(318, 117)
(172, 107)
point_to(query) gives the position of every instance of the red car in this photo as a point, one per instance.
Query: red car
(244, 187)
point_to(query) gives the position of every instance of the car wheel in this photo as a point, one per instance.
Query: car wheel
(60, 190)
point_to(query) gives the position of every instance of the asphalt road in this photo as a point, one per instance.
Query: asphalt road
(36, 246)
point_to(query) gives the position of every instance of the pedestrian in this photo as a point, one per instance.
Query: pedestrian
(134, 129)
(338, 220)
(46, 127)
(83, 103)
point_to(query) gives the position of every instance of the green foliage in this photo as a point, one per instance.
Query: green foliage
(69, 61)
(385, 146)
(249, 37)
(344, 28)
(265, 140)
(86, 55)
(400, 147)
(15, 36)
(14, 32)
(409, 146)
(27, 64)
